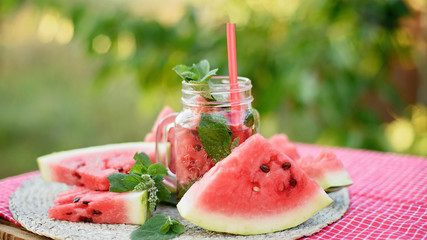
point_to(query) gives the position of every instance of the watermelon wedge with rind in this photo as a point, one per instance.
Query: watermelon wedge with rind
(83, 205)
(238, 195)
(327, 170)
(89, 167)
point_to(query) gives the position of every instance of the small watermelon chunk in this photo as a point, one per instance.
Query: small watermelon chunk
(192, 160)
(327, 170)
(256, 189)
(90, 167)
(83, 205)
(281, 142)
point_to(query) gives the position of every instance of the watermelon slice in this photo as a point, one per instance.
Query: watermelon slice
(89, 167)
(256, 189)
(83, 205)
(327, 170)
(281, 142)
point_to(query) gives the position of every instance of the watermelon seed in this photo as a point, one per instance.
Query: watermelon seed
(197, 148)
(85, 202)
(292, 182)
(96, 212)
(81, 165)
(265, 168)
(286, 165)
(194, 132)
(69, 213)
(77, 175)
(256, 189)
(120, 169)
(85, 219)
(76, 200)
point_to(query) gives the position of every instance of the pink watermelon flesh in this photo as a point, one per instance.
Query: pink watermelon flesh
(83, 205)
(327, 170)
(192, 160)
(256, 189)
(90, 167)
(281, 142)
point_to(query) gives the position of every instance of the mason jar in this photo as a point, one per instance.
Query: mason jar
(216, 117)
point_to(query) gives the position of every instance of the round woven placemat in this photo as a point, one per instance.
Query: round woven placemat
(29, 205)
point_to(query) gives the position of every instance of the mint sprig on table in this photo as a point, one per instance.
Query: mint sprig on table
(158, 227)
(147, 176)
(142, 176)
(216, 136)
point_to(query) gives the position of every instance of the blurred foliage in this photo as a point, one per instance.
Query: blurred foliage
(321, 70)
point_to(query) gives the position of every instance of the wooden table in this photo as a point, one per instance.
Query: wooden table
(11, 231)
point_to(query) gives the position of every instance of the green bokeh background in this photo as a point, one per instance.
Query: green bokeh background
(341, 73)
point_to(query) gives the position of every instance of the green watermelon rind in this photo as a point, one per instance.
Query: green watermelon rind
(252, 226)
(44, 161)
(334, 180)
(137, 210)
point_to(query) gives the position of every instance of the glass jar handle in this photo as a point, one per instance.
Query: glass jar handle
(162, 137)
(256, 120)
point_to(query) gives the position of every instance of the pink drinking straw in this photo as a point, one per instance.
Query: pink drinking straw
(232, 71)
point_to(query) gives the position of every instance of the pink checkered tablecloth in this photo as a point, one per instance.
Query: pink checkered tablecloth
(388, 197)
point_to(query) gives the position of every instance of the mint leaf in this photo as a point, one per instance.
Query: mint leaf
(157, 179)
(215, 135)
(142, 159)
(249, 118)
(177, 227)
(209, 75)
(165, 228)
(131, 180)
(157, 169)
(203, 67)
(187, 73)
(138, 169)
(158, 227)
(198, 73)
(235, 143)
(163, 194)
(116, 183)
(184, 72)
